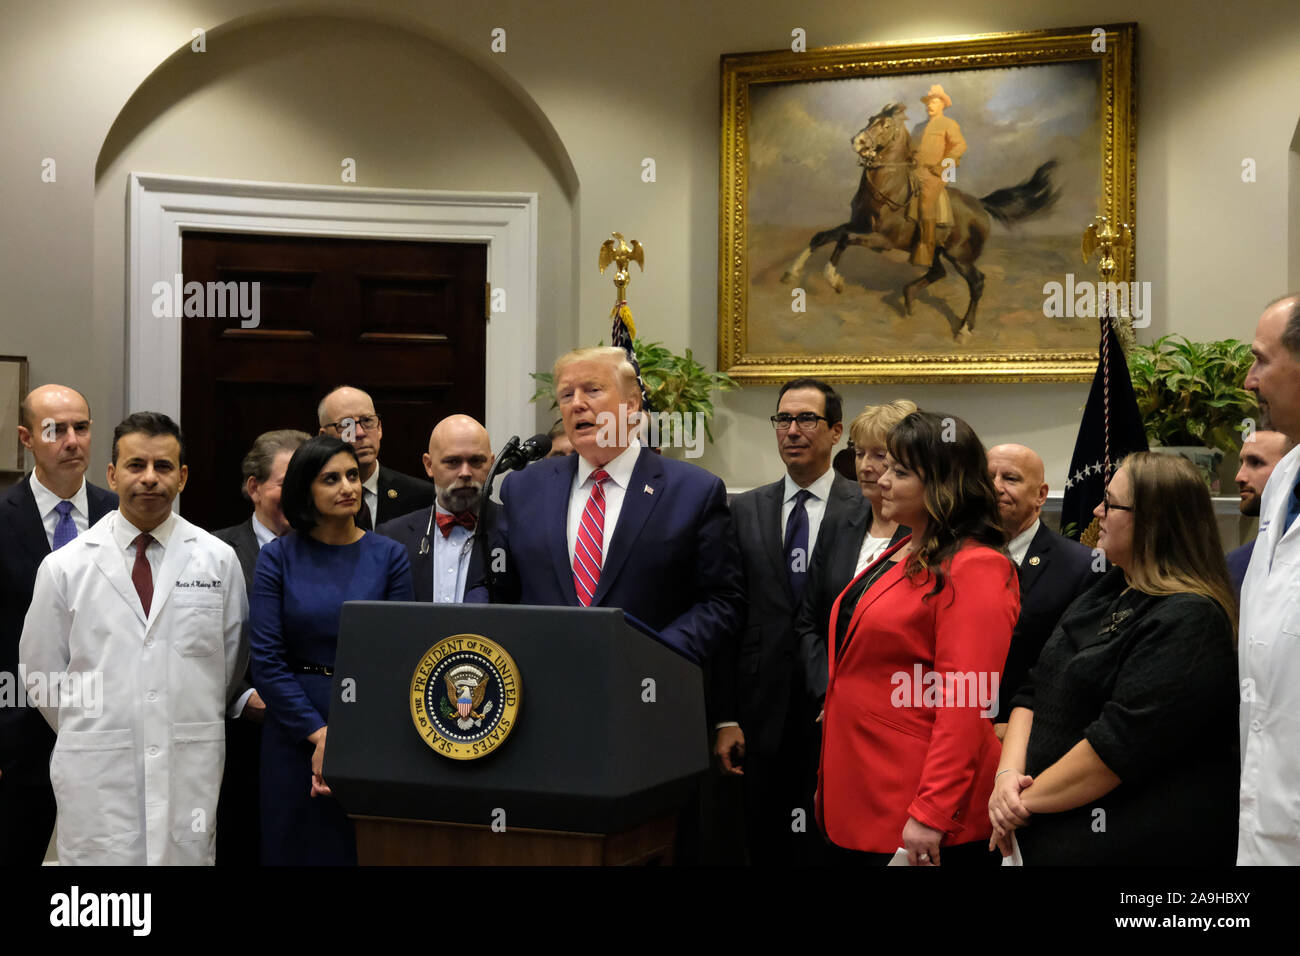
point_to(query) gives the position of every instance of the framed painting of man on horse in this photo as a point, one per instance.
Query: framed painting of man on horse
(894, 211)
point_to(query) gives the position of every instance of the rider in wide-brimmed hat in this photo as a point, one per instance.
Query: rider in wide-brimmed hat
(941, 139)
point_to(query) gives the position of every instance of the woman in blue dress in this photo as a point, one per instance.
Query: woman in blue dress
(301, 582)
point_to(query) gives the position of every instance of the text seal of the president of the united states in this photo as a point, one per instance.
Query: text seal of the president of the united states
(465, 696)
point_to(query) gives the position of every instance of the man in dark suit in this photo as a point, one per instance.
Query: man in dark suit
(439, 539)
(1259, 455)
(238, 818)
(348, 413)
(765, 721)
(42, 512)
(616, 525)
(1053, 569)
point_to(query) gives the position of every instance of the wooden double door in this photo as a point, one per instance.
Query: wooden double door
(405, 321)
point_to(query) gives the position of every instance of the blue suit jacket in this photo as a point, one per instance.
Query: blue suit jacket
(673, 563)
(1238, 561)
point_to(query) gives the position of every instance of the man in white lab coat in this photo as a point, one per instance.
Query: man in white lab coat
(1268, 643)
(131, 648)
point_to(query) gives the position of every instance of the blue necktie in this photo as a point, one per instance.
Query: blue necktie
(66, 529)
(796, 544)
(1292, 507)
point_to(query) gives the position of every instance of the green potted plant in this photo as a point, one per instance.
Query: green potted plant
(674, 383)
(1191, 398)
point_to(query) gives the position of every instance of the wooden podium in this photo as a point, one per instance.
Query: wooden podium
(384, 842)
(609, 739)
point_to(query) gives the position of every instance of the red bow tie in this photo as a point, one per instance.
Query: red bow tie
(466, 519)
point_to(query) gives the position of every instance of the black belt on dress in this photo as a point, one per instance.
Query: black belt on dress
(298, 667)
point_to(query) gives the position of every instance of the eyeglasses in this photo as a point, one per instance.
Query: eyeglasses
(807, 421)
(365, 422)
(1107, 506)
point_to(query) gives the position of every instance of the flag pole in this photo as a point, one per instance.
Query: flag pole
(1101, 236)
(615, 251)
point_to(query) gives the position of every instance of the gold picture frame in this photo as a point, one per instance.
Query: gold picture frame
(13, 387)
(788, 101)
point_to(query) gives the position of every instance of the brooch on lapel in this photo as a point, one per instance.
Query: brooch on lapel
(1116, 619)
(392, 492)
(1035, 560)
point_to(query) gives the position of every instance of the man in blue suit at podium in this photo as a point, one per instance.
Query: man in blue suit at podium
(616, 525)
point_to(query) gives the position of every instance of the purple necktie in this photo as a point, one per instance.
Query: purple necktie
(66, 529)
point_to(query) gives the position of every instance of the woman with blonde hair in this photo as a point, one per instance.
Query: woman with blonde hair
(843, 551)
(1122, 747)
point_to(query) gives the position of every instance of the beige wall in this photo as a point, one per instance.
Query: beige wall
(286, 101)
(604, 85)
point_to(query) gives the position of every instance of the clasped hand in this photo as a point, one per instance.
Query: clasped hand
(318, 786)
(1007, 811)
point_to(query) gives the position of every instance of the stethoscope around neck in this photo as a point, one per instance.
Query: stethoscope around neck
(428, 529)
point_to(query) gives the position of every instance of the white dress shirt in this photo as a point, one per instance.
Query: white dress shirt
(1019, 545)
(370, 495)
(450, 561)
(815, 506)
(46, 501)
(262, 533)
(125, 533)
(620, 474)
(871, 549)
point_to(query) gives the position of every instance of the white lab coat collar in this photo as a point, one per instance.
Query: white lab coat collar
(125, 533)
(118, 533)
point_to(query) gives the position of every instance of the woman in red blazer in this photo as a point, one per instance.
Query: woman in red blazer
(919, 639)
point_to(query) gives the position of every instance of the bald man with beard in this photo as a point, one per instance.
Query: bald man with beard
(1053, 569)
(439, 539)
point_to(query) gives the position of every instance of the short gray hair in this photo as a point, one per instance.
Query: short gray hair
(1291, 331)
(261, 457)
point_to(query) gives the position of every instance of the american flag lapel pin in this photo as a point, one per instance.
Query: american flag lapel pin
(648, 490)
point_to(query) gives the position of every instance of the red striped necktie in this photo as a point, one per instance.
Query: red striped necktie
(588, 554)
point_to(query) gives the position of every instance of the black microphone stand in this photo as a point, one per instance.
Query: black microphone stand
(487, 517)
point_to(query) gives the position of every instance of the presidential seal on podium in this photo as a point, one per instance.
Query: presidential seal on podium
(465, 696)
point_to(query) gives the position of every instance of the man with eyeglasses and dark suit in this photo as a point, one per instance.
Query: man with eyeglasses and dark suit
(764, 717)
(349, 414)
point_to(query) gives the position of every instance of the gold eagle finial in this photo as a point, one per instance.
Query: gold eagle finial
(1102, 236)
(617, 252)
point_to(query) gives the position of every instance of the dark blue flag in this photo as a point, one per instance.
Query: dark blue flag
(1111, 428)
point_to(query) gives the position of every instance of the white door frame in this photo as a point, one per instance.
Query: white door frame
(159, 207)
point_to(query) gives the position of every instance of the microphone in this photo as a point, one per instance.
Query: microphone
(517, 454)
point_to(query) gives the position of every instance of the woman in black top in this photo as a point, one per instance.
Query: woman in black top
(843, 551)
(1122, 747)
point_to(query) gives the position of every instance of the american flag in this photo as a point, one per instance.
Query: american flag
(1110, 429)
